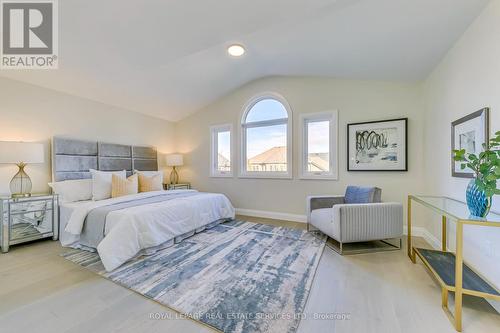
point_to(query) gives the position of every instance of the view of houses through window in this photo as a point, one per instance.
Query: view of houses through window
(318, 146)
(266, 137)
(224, 151)
(266, 149)
(221, 151)
(265, 141)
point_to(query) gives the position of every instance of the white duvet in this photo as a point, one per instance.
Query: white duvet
(130, 230)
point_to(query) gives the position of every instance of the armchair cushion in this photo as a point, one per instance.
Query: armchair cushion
(322, 219)
(360, 195)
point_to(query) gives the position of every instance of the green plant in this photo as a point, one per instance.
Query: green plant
(486, 166)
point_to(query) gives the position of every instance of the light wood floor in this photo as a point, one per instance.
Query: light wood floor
(378, 292)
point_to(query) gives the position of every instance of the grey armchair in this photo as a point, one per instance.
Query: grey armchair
(357, 216)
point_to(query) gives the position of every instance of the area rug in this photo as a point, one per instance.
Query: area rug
(236, 277)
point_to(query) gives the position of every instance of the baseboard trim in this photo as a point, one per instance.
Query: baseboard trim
(425, 234)
(416, 231)
(272, 215)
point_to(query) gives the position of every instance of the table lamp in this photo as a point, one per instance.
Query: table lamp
(174, 160)
(21, 154)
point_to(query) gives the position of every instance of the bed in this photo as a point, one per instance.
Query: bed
(122, 228)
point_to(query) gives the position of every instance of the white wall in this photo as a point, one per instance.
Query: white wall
(31, 113)
(356, 101)
(466, 80)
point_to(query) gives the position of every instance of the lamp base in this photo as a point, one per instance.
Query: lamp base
(174, 176)
(20, 185)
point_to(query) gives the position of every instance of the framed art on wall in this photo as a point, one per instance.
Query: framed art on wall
(378, 145)
(469, 133)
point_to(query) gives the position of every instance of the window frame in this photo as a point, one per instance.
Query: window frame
(305, 119)
(214, 150)
(243, 172)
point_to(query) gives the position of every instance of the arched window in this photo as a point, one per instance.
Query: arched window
(266, 142)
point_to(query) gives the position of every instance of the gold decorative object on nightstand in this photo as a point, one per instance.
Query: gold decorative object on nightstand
(21, 153)
(449, 268)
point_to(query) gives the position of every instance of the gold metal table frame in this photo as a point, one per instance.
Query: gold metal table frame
(447, 215)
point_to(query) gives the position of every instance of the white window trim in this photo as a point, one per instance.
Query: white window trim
(243, 173)
(214, 130)
(331, 116)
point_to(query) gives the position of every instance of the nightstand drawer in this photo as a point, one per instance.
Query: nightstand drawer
(30, 225)
(24, 207)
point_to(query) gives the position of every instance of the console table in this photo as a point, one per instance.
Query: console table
(448, 268)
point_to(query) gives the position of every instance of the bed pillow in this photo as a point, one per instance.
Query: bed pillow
(101, 183)
(124, 186)
(152, 183)
(150, 174)
(73, 190)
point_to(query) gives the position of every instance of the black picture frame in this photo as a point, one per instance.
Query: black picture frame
(486, 133)
(349, 144)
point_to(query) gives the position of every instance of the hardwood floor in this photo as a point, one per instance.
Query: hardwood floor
(377, 292)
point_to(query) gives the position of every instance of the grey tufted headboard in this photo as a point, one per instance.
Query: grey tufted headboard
(72, 159)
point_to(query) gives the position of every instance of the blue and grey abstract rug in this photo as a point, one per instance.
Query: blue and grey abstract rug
(236, 277)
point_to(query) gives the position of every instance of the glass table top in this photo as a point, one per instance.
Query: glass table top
(32, 197)
(452, 208)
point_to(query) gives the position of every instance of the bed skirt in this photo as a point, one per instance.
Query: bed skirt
(169, 243)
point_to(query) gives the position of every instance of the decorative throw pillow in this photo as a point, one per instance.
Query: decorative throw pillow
(73, 190)
(121, 186)
(148, 184)
(101, 183)
(358, 195)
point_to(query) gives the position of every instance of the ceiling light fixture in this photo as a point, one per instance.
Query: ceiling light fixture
(236, 50)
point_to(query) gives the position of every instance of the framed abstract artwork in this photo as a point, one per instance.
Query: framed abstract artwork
(469, 133)
(378, 145)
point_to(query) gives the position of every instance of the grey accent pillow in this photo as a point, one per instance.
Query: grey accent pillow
(359, 194)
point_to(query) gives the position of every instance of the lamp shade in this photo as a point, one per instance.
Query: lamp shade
(174, 160)
(12, 152)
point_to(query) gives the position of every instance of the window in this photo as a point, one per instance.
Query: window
(266, 146)
(220, 162)
(319, 145)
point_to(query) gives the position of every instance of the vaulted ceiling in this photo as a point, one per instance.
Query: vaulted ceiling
(167, 58)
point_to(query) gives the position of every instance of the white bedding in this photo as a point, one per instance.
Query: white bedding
(130, 230)
(65, 211)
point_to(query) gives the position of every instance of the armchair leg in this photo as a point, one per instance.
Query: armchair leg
(332, 244)
(339, 247)
(395, 246)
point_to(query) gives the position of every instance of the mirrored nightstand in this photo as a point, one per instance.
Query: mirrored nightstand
(180, 186)
(27, 219)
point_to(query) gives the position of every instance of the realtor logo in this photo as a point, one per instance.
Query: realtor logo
(29, 34)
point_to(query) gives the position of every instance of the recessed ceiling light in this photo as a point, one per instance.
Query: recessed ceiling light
(236, 50)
